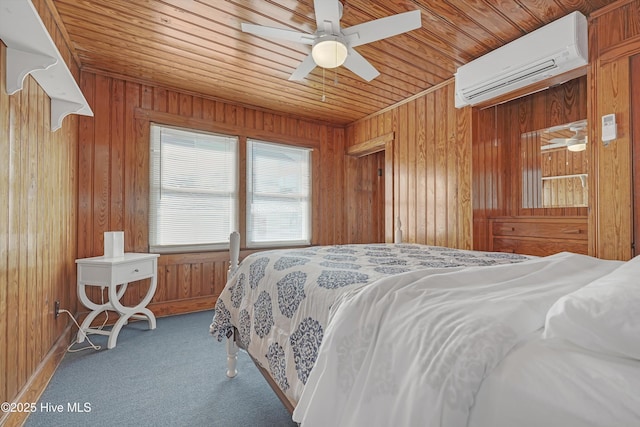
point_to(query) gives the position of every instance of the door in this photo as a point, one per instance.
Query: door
(366, 198)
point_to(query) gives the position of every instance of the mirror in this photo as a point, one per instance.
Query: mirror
(554, 166)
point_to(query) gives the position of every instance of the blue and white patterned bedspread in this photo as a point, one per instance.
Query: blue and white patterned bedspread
(280, 300)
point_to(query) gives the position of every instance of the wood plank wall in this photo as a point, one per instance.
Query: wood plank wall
(614, 37)
(430, 163)
(498, 174)
(635, 118)
(37, 232)
(113, 168)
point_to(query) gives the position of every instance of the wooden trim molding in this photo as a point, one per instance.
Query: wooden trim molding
(189, 305)
(635, 152)
(160, 309)
(609, 8)
(389, 214)
(629, 47)
(371, 146)
(39, 380)
(203, 124)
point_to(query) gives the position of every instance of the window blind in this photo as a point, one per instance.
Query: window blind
(278, 194)
(193, 190)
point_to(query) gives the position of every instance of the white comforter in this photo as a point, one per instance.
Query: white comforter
(550, 382)
(423, 365)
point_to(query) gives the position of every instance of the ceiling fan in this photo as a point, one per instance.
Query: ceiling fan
(577, 142)
(332, 45)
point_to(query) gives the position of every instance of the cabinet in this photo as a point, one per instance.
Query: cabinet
(539, 236)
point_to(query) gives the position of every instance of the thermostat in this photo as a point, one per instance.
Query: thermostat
(609, 131)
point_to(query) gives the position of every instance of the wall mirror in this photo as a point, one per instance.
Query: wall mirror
(554, 166)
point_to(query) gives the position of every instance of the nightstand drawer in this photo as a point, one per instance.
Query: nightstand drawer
(130, 272)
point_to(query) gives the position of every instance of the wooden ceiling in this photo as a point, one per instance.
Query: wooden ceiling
(197, 46)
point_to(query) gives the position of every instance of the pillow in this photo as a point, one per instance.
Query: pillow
(603, 316)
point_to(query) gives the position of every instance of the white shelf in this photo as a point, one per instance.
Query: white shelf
(582, 176)
(30, 50)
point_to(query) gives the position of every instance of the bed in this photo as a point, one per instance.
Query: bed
(404, 334)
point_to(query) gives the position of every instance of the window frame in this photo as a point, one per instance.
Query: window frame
(248, 190)
(241, 183)
(195, 247)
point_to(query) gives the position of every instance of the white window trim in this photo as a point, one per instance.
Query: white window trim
(248, 219)
(166, 249)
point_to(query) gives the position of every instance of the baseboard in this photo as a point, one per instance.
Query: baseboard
(190, 305)
(38, 382)
(162, 309)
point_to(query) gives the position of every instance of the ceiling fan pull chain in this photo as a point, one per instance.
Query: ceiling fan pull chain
(323, 96)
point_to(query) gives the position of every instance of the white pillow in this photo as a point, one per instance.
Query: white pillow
(603, 316)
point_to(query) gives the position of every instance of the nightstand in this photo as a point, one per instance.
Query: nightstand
(115, 274)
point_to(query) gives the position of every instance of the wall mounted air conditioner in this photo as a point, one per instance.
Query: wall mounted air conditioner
(556, 48)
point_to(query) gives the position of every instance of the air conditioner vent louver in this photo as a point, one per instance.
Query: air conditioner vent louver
(510, 79)
(556, 48)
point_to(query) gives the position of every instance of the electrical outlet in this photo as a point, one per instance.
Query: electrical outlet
(56, 308)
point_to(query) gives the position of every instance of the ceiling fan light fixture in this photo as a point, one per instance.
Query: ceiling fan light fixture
(579, 146)
(329, 53)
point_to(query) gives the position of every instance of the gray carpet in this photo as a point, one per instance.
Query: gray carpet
(171, 376)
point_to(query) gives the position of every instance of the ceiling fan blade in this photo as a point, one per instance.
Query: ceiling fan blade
(382, 28)
(360, 66)
(560, 140)
(553, 146)
(328, 11)
(303, 69)
(278, 33)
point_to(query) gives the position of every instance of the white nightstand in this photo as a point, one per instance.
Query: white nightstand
(111, 273)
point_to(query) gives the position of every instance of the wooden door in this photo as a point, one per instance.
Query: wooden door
(366, 198)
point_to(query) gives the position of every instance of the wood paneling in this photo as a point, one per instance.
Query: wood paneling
(198, 47)
(635, 115)
(113, 190)
(38, 218)
(504, 166)
(430, 159)
(614, 35)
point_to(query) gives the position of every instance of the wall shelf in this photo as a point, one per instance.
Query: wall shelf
(31, 50)
(582, 176)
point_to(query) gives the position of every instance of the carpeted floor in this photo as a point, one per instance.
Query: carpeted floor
(171, 376)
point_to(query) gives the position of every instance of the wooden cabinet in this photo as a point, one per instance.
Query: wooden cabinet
(538, 235)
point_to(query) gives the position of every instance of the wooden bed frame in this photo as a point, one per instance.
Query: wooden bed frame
(232, 342)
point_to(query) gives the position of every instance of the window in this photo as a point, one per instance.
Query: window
(193, 191)
(278, 194)
(194, 194)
